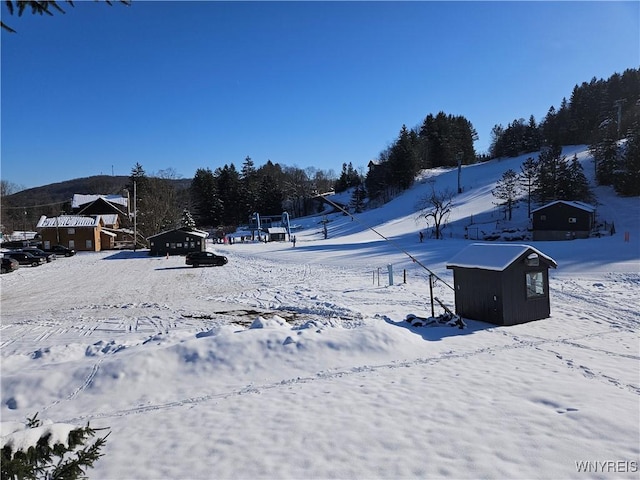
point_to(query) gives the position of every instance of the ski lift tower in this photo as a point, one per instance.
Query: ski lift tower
(285, 223)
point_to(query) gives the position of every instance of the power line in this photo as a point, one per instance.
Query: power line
(33, 206)
(397, 247)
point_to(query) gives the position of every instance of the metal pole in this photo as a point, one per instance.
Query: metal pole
(135, 217)
(433, 314)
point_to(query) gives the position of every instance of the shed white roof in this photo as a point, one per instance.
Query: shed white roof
(195, 232)
(581, 205)
(493, 256)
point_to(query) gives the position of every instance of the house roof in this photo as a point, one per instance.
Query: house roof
(80, 199)
(110, 218)
(193, 231)
(581, 205)
(69, 221)
(494, 256)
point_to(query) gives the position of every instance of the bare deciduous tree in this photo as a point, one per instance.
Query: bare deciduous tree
(435, 208)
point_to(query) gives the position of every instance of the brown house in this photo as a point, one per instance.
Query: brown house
(504, 284)
(74, 231)
(563, 220)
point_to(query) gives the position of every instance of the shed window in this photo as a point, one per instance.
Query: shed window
(535, 284)
(543, 217)
(572, 219)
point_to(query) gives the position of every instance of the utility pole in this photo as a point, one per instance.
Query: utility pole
(135, 217)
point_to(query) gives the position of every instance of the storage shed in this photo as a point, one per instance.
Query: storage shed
(179, 241)
(563, 220)
(504, 284)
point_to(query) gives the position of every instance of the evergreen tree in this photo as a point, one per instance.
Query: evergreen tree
(64, 461)
(627, 179)
(549, 166)
(187, 220)
(531, 141)
(249, 200)
(529, 179)
(403, 162)
(496, 149)
(349, 177)
(578, 185)
(228, 188)
(204, 195)
(506, 190)
(357, 198)
(270, 196)
(605, 155)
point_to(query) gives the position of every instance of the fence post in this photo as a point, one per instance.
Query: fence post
(404, 275)
(390, 269)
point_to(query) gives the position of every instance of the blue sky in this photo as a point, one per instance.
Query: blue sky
(188, 85)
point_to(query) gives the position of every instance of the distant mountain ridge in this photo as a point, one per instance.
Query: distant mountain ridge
(63, 191)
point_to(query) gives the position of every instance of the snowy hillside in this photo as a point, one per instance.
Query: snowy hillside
(296, 362)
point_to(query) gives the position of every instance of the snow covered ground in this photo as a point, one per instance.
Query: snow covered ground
(296, 362)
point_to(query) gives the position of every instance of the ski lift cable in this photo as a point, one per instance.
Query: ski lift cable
(397, 247)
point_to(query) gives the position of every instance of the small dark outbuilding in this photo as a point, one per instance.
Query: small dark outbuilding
(504, 284)
(563, 220)
(179, 241)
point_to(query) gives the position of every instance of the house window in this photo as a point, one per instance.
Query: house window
(89, 244)
(71, 231)
(572, 219)
(179, 245)
(535, 284)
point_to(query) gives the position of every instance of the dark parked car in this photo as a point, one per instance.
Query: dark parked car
(20, 243)
(25, 258)
(9, 265)
(205, 258)
(60, 250)
(38, 253)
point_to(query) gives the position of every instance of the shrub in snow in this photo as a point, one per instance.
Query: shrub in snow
(48, 451)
